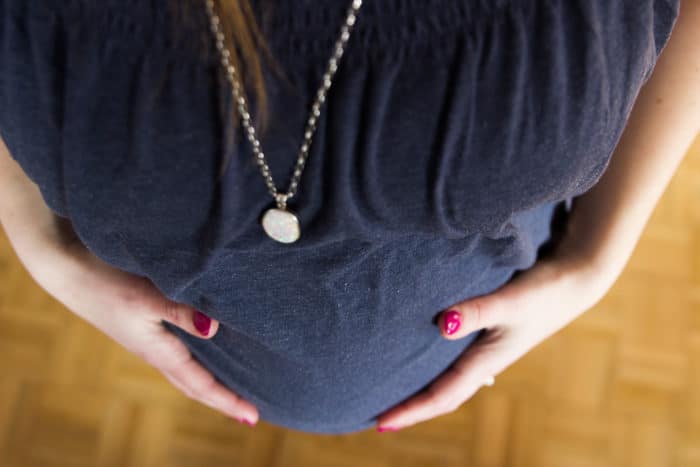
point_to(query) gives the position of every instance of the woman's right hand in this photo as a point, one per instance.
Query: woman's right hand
(129, 309)
(126, 307)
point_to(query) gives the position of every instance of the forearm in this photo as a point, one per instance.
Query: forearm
(37, 235)
(607, 221)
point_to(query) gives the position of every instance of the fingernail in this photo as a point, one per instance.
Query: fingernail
(382, 429)
(452, 321)
(202, 322)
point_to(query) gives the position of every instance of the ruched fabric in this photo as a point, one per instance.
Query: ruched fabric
(454, 135)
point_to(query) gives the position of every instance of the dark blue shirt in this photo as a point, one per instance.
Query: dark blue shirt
(454, 137)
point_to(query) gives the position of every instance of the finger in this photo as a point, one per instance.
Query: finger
(471, 315)
(499, 308)
(529, 288)
(207, 402)
(190, 319)
(423, 406)
(198, 383)
(455, 386)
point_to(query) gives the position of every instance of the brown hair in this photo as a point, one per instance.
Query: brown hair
(245, 41)
(243, 38)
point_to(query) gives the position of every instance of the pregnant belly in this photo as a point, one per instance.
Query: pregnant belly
(339, 374)
(342, 393)
(328, 340)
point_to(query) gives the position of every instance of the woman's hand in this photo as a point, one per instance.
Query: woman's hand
(129, 309)
(608, 221)
(535, 304)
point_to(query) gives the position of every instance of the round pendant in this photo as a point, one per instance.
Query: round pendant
(281, 225)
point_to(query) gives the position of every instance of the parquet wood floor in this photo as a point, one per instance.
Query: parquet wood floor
(620, 386)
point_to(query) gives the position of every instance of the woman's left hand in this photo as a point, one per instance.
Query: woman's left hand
(535, 304)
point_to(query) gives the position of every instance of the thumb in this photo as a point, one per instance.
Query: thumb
(190, 319)
(469, 316)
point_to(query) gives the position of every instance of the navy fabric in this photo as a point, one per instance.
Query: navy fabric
(454, 136)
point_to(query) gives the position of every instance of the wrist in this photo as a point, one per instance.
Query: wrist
(594, 264)
(48, 253)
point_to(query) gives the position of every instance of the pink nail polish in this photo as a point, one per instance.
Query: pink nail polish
(382, 429)
(202, 322)
(452, 321)
(243, 420)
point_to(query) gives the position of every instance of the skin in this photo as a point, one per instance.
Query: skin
(605, 225)
(127, 308)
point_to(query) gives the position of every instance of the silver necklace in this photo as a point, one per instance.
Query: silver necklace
(279, 223)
